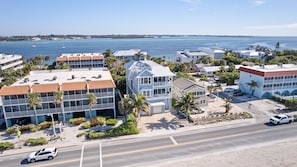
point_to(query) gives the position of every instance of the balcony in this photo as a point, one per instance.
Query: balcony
(162, 83)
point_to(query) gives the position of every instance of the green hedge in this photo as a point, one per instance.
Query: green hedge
(77, 121)
(127, 128)
(6, 145)
(35, 142)
(86, 125)
(111, 122)
(101, 120)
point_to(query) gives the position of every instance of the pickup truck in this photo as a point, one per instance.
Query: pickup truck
(281, 119)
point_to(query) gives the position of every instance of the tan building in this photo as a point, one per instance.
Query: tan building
(75, 84)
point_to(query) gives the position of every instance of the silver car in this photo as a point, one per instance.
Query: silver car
(45, 153)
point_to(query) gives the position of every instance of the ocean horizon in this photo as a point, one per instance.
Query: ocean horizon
(165, 46)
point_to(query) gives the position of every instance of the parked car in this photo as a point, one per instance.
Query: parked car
(281, 119)
(229, 90)
(45, 153)
(211, 96)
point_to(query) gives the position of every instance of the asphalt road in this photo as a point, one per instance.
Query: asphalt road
(153, 150)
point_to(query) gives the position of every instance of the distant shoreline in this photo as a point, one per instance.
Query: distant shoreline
(63, 37)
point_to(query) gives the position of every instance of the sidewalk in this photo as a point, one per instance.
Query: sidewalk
(69, 139)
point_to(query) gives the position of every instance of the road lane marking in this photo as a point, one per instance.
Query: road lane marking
(81, 155)
(185, 143)
(100, 154)
(173, 141)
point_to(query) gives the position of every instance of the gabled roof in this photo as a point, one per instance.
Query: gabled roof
(185, 84)
(154, 68)
(42, 88)
(69, 86)
(14, 90)
(101, 84)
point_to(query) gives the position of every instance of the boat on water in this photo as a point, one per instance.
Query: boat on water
(33, 46)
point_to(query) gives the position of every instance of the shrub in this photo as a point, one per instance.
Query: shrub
(94, 122)
(86, 125)
(77, 121)
(111, 122)
(45, 125)
(25, 128)
(127, 128)
(81, 134)
(6, 145)
(101, 120)
(10, 130)
(35, 142)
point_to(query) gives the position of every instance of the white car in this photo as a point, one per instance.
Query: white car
(281, 119)
(45, 153)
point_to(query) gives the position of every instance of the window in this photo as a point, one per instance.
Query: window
(45, 106)
(15, 108)
(145, 81)
(52, 105)
(85, 102)
(8, 109)
(71, 92)
(50, 94)
(23, 107)
(72, 103)
(66, 103)
(110, 100)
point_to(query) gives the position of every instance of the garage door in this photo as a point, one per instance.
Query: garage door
(157, 108)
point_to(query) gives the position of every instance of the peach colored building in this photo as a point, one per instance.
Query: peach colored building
(75, 84)
(81, 60)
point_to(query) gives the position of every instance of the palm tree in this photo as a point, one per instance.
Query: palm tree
(92, 101)
(210, 88)
(126, 106)
(253, 84)
(203, 79)
(216, 88)
(59, 98)
(227, 104)
(34, 101)
(187, 104)
(140, 105)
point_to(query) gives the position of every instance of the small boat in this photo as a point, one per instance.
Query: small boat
(33, 46)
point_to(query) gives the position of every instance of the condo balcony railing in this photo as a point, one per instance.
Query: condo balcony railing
(162, 83)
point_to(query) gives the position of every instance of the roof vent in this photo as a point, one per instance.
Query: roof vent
(26, 80)
(99, 76)
(280, 65)
(262, 65)
(54, 78)
(72, 77)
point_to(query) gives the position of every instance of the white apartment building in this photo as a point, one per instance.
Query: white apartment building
(216, 53)
(251, 54)
(8, 61)
(81, 60)
(75, 84)
(128, 55)
(271, 79)
(153, 81)
(189, 56)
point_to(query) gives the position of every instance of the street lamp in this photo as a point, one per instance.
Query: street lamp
(53, 121)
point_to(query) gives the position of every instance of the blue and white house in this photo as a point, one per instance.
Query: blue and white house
(153, 81)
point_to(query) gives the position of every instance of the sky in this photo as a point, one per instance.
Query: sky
(149, 17)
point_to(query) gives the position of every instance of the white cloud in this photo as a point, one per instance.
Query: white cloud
(259, 2)
(280, 26)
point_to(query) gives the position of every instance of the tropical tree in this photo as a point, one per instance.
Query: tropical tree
(34, 101)
(126, 106)
(203, 79)
(253, 84)
(210, 88)
(227, 104)
(63, 65)
(216, 89)
(107, 53)
(59, 98)
(92, 101)
(140, 105)
(187, 104)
